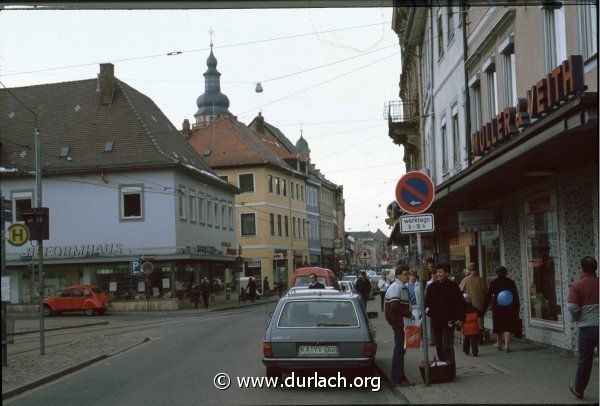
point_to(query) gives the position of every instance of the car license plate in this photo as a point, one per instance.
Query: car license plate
(317, 350)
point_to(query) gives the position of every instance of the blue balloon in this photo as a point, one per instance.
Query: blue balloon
(505, 298)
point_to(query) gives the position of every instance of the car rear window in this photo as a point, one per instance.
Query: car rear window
(324, 313)
(305, 280)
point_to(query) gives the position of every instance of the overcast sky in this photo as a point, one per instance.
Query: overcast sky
(341, 106)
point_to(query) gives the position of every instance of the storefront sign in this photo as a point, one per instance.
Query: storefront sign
(231, 251)
(68, 251)
(477, 220)
(278, 256)
(200, 250)
(562, 82)
(254, 263)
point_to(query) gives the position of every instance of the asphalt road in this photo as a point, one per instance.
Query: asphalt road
(178, 366)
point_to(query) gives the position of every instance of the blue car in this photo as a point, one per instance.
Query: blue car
(314, 329)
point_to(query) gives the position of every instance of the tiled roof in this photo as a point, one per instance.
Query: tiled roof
(70, 115)
(232, 143)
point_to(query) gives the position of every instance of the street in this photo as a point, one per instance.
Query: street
(179, 363)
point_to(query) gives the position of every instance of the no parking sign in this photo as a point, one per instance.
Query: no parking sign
(414, 192)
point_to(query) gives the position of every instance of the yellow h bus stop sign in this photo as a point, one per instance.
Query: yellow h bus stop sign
(17, 234)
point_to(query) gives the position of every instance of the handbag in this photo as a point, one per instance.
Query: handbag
(438, 373)
(412, 336)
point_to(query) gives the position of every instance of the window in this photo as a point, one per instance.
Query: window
(554, 36)
(450, 24)
(277, 185)
(444, 149)
(224, 177)
(286, 226)
(209, 219)
(193, 206)
(272, 223)
(491, 89)
(542, 242)
(300, 230)
(246, 182)
(455, 135)
(301, 192)
(294, 226)
(202, 217)
(21, 203)
(475, 95)
(223, 216)
(283, 187)
(270, 182)
(231, 216)
(131, 203)
(181, 197)
(509, 78)
(440, 38)
(292, 188)
(248, 221)
(217, 219)
(297, 191)
(279, 225)
(588, 30)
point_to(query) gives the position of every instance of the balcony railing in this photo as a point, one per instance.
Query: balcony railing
(401, 111)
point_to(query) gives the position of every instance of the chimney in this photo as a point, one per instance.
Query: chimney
(260, 123)
(186, 130)
(106, 83)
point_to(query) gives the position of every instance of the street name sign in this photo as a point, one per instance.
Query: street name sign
(17, 234)
(414, 192)
(421, 223)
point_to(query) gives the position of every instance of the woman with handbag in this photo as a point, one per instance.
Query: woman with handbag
(505, 315)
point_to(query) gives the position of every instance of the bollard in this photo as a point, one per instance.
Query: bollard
(4, 342)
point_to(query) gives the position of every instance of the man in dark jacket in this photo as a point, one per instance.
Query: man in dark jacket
(195, 294)
(252, 289)
(363, 287)
(446, 307)
(314, 283)
(205, 289)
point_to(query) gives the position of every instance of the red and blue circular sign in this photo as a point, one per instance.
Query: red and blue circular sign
(414, 192)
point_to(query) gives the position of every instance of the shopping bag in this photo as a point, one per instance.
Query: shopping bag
(412, 336)
(439, 372)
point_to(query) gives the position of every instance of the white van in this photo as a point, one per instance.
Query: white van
(244, 285)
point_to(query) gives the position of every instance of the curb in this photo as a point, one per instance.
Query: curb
(19, 333)
(71, 369)
(390, 384)
(200, 311)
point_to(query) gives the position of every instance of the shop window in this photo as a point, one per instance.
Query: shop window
(246, 182)
(248, 221)
(543, 268)
(131, 203)
(21, 203)
(490, 253)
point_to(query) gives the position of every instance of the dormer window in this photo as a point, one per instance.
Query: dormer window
(108, 146)
(64, 152)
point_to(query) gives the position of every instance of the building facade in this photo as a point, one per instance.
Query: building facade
(121, 185)
(532, 144)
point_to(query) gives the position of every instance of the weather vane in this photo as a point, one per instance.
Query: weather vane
(211, 32)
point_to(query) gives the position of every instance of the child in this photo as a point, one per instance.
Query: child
(470, 328)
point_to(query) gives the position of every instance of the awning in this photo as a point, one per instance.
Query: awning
(565, 139)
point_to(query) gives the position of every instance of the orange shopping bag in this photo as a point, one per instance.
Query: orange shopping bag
(412, 336)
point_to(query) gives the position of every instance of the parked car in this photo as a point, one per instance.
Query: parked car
(350, 278)
(324, 275)
(374, 285)
(347, 286)
(87, 298)
(319, 329)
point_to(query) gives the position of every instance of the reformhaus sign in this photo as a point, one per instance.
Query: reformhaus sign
(562, 82)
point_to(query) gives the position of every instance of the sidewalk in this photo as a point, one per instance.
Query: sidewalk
(28, 369)
(531, 373)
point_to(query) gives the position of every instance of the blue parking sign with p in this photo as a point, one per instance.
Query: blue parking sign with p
(136, 267)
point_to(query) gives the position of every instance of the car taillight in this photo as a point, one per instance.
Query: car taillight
(267, 352)
(370, 349)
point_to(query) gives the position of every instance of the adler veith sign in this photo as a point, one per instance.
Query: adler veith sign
(543, 97)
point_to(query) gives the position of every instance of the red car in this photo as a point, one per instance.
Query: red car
(324, 275)
(87, 298)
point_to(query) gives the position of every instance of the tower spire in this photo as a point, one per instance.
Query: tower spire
(211, 32)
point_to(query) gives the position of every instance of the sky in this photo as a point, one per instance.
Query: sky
(351, 58)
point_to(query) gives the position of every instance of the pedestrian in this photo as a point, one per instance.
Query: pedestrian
(252, 289)
(266, 287)
(582, 303)
(280, 288)
(314, 284)
(397, 308)
(470, 328)
(195, 294)
(446, 307)
(428, 270)
(505, 318)
(474, 286)
(432, 279)
(363, 287)
(205, 289)
(415, 293)
(383, 285)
